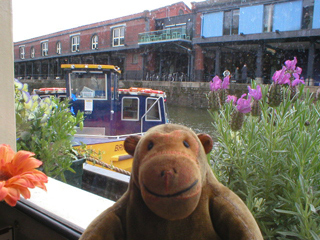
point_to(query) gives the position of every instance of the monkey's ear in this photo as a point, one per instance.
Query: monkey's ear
(206, 141)
(130, 144)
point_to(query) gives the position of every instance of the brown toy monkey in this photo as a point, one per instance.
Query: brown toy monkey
(173, 194)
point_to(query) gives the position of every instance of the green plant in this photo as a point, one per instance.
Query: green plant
(273, 162)
(46, 127)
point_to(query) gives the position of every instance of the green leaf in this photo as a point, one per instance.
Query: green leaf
(314, 235)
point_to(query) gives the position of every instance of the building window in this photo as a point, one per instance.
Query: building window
(118, 36)
(268, 18)
(212, 24)
(32, 52)
(44, 48)
(75, 43)
(287, 16)
(130, 109)
(94, 42)
(135, 58)
(231, 22)
(22, 52)
(307, 14)
(58, 48)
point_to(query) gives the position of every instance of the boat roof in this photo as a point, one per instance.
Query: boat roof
(142, 91)
(92, 66)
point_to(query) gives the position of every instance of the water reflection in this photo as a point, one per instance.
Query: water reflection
(197, 119)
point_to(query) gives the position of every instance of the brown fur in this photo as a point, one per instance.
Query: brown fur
(173, 194)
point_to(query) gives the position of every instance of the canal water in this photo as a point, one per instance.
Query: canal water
(197, 119)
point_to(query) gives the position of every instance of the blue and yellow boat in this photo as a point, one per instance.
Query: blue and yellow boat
(111, 113)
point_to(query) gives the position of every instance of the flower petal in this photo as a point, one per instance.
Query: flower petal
(216, 84)
(12, 197)
(23, 161)
(231, 98)
(6, 154)
(297, 82)
(3, 190)
(226, 82)
(244, 105)
(18, 84)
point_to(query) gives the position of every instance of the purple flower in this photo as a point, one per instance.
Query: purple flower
(226, 82)
(281, 77)
(297, 81)
(291, 65)
(231, 98)
(294, 71)
(215, 84)
(298, 70)
(255, 93)
(244, 105)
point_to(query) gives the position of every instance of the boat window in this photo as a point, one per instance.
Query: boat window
(86, 85)
(153, 109)
(130, 109)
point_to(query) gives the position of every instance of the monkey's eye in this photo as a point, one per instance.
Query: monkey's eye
(186, 144)
(150, 145)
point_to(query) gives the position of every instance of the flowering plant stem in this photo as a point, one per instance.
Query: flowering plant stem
(273, 164)
(46, 127)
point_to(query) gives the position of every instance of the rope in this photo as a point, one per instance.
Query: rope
(106, 165)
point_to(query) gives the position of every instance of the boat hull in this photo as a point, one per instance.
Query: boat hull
(109, 151)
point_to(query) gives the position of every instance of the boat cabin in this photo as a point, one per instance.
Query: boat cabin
(109, 110)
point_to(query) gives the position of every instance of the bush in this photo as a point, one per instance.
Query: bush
(272, 162)
(46, 127)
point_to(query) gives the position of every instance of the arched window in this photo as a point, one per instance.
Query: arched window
(22, 52)
(44, 48)
(58, 48)
(32, 52)
(94, 42)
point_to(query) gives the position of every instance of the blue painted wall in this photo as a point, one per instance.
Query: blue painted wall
(251, 19)
(212, 24)
(316, 14)
(287, 16)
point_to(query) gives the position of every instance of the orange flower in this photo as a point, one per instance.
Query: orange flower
(18, 173)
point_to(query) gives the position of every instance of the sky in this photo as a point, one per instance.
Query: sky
(33, 18)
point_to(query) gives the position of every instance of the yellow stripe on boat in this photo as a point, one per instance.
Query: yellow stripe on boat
(91, 66)
(112, 153)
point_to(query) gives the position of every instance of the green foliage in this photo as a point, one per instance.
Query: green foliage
(46, 127)
(273, 164)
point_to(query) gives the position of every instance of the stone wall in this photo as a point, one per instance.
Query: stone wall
(190, 94)
(185, 94)
(36, 83)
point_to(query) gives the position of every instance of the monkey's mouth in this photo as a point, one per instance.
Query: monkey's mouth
(173, 194)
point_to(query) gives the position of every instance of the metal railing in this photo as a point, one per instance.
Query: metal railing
(164, 35)
(38, 76)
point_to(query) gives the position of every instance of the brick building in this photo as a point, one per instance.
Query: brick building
(178, 43)
(123, 42)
